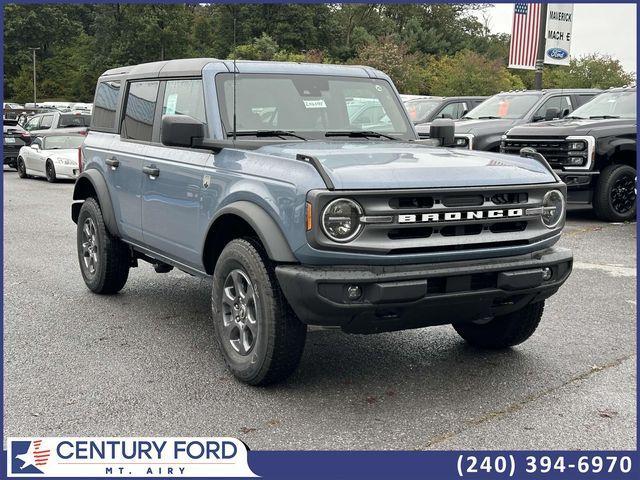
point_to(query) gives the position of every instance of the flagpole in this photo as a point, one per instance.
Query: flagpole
(541, 45)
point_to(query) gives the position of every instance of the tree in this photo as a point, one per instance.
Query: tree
(591, 71)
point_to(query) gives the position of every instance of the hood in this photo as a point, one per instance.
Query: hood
(71, 153)
(390, 164)
(571, 126)
(485, 127)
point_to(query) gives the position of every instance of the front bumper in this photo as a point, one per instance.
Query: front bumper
(580, 184)
(413, 296)
(66, 171)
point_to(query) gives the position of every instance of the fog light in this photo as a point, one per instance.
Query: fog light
(547, 273)
(354, 292)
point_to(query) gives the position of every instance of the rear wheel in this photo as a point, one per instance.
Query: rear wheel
(503, 331)
(104, 259)
(615, 196)
(22, 168)
(50, 172)
(260, 337)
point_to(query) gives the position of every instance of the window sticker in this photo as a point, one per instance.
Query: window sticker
(172, 102)
(315, 103)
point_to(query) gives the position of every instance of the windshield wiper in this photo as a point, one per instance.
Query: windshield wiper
(359, 133)
(489, 117)
(594, 117)
(266, 133)
(573, 117)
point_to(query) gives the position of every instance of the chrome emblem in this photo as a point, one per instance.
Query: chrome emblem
(459, 216)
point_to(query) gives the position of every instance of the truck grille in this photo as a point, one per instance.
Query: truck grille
(555, 149)
(440, 220)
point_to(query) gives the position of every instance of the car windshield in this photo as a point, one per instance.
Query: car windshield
(63, 141)
(420, 109)
(311, 106)
(621, 104)
(504, 105)
(70, 121)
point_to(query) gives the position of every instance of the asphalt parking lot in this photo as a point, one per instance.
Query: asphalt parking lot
(144, 362)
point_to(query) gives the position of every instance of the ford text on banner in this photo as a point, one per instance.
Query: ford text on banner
(127, 457)
(557, 50)
(524, 36)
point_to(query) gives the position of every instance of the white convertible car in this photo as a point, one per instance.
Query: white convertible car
(53, 156)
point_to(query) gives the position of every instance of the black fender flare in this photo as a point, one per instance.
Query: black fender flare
(87, 183)
(270, 234)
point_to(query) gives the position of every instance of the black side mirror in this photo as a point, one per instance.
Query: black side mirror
(181, 130)
(445, 115)
(551, 113)
(464, 112)
(443, 129)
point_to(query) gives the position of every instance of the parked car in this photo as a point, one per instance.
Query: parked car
(14, 138)
(52, 155)
(42, 123)
(483, 127)
(593, 150)
(302, 217)
(423, 110)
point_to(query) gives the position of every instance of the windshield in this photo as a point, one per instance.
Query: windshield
(63, 141)
(419, 110)
(311, 105)
(609, 104)
(504, 105)
(70, 121)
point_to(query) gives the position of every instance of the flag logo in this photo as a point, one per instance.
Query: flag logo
(525, 34)
(29, 457)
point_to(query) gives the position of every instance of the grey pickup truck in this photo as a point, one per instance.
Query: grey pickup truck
(265, 177)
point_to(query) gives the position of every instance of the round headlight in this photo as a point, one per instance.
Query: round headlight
(341, 220)
(553, 206)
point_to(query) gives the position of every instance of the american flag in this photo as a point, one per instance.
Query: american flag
(524, 36)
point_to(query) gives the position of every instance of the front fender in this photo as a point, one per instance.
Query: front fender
(270, 234)
(91, 183)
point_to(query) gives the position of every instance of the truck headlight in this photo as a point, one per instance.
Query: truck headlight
(578, 145)
(341, 220)
(553, 205)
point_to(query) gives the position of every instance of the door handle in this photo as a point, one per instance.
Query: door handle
(113, 162)
(151, 170)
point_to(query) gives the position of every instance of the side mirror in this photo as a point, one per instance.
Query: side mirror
(181, 130)
(551, 113)
(464, 112)
(443, 129)
(445, 115)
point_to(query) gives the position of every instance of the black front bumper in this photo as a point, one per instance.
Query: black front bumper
(580, 184)
(412, 296)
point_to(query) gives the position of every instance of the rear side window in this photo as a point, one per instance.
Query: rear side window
(46, 121)
(71, 121)
(184, 97)
(141, 106)
(105, 104)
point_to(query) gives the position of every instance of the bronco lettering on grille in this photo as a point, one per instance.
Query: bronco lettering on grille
(458, 216)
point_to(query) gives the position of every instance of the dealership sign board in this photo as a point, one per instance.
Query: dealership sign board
(557, 50)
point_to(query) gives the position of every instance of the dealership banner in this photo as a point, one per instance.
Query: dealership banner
(127, 457)
(557, 50)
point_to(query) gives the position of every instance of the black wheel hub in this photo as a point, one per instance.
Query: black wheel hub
(623, 194)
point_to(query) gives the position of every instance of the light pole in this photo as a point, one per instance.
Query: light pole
(542, 39)
(33, 49)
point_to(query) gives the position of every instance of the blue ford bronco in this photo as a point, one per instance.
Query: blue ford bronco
(308, 209)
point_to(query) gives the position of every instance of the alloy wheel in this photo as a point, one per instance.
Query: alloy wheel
(623, 194)
(89, 246)
(240, 312)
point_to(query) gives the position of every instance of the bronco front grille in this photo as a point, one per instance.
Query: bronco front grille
(439, 220)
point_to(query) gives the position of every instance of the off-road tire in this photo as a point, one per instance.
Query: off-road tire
(21, 168)
(503, 331)
(50, 172)
(281, 336)
(602, 201)
(113, 255)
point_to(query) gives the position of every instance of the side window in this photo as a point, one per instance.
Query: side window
(105, 104)
(32, 124)
(453, 110)
(46, 121)
(582, 99)
(562, 103)
(141, 107)
(184, 97)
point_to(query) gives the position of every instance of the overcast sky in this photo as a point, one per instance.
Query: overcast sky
(607, 28)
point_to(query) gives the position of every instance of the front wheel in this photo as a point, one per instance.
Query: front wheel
(503, 331)
(260, 337)
(615, 196)
(104, 259)
(50, 172)
(22, 168)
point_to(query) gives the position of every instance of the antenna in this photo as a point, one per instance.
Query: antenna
(235, 74)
